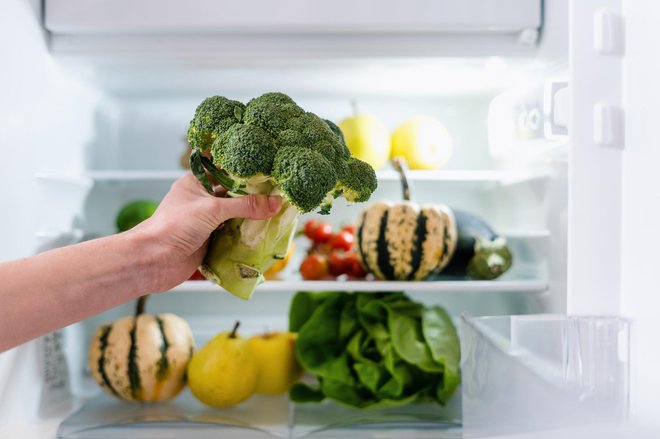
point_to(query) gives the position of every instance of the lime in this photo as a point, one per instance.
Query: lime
(134, 213)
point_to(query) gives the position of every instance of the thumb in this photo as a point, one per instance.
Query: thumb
(249, 206)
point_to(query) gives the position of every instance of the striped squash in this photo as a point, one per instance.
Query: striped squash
(142, 358)
(403, 241)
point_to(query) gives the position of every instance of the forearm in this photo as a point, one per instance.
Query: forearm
(62, 286)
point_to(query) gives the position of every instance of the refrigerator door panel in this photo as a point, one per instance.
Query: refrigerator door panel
(641, 212)
(595, 158)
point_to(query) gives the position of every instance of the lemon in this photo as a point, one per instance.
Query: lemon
(134, 213)
(224, 372)
(423, 141)
(367, 138)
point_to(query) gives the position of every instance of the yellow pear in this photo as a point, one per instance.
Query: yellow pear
(423, 141)
(367, 138)
(276, 359)
(223, 372)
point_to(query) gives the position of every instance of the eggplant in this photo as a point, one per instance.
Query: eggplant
(480, 253)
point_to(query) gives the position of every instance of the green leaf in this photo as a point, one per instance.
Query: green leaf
(320, 347)
(409, 343)
(300, 392)
(441, 338)
(221, 178)
(198, 171)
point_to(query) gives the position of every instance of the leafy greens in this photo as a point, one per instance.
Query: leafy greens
(374, 350)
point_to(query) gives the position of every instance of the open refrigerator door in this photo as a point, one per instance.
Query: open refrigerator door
(499, 79)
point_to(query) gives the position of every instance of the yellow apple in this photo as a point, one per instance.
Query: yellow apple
(423, 141)
(367, 138)
(276, 361)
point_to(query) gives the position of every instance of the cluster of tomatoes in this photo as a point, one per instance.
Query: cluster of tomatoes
(331, 254)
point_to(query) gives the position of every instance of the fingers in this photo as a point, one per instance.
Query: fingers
(249, 206)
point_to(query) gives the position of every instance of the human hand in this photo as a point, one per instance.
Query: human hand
(178, 232)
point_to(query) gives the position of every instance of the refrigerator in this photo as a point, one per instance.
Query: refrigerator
(549, 104)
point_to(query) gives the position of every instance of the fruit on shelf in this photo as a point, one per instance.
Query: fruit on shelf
(223, 372)
(354, 266)
(314, 267)
(423, 141)
(367, 138)
(276, 361)
(141, 358)
(318, 231)
(338, 263)
(333, 257)
(480, 253)
(342, 241)
(404, 241)
(133, 213)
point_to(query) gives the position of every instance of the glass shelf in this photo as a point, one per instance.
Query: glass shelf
(485, 177)
(529, 286)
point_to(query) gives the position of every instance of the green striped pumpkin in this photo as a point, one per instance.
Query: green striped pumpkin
(142, 358)
(403, 241)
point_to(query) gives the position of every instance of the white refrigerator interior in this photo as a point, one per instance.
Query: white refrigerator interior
(550, 108)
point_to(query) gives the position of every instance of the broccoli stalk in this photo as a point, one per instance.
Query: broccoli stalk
(269, 146)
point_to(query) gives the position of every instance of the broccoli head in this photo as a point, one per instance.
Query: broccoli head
(269, 146)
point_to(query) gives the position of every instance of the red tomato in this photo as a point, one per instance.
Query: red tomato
(354, 266)
(337, 263)
(322, 233)
(350, 228)
(343, 241)
(314, 267)
(310, 226)
(197, 275)
(319, 247)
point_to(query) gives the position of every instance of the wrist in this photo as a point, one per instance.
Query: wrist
(148, 259)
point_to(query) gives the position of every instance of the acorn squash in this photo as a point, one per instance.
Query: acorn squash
(142, 357)
(405, 241)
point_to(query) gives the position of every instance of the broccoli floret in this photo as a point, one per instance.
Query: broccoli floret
(244, 151)
(304, 176)
(213, 116)
(270, 146)
(346, 153)
(359, 182)
(271, 112)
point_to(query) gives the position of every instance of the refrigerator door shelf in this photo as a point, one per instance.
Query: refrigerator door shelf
(529, 373)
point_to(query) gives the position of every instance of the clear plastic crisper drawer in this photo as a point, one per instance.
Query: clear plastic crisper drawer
(104, 417)
(541, 372)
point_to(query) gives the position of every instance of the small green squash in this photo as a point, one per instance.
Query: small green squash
(405, 241)
(142, 358)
